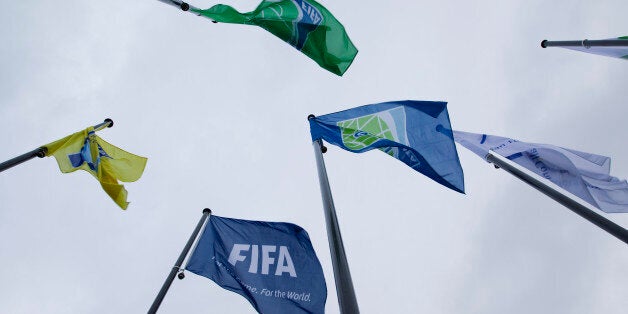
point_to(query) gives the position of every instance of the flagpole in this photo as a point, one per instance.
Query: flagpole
(41, 151)
(184, 6)
(177, 265)
(180, 4)
(344, 285)
(572, 204)
(586, 43)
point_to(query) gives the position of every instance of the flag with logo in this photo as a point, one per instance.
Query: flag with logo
(271, 264)
(584, 175)
(87, 151)
(609, 51)
(418, 133)
(304, 24)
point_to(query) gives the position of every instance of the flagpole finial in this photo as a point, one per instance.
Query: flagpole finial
(544, 43)
(184, 6)
(311, 116)
(109, 121)
(207, 211)
(41, 152)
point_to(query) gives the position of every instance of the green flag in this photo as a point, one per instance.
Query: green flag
(304, 24)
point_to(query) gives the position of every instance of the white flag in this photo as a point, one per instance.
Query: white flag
(585, 175)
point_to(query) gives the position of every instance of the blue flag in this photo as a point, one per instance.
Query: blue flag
(416, 132)
(271, 264)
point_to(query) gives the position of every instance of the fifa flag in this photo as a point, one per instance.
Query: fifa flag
(304, 24)
(584, 175)
(87, 151)
(271, 264)
(418, 133)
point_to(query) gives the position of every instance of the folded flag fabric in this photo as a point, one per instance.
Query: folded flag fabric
(271, 264)
(585, 175)
(304, 24)
(87, 151)
(418, 133)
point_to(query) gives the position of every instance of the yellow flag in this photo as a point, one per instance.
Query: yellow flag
(107, 163)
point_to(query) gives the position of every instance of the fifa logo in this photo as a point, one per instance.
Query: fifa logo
(283, 261)
(308, 20)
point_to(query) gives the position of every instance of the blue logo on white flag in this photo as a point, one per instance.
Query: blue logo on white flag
(271, 264)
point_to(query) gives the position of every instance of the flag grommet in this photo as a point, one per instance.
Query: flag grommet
(185, 6)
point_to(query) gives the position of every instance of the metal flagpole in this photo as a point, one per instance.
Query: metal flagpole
(586, 43)
(41, 151)
(344, 285)
(560, 197)
(180, 4)
(177, 265)
(184, 6)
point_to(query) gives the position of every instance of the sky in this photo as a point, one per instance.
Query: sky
(220, 111)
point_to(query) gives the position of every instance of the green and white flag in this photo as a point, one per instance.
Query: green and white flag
(617, 50)
(304, 24)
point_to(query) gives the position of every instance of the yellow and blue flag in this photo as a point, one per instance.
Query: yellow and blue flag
(108, 164)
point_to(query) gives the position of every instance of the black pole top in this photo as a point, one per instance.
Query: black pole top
(311, 116)
(110, 122)
(544, 43)
(185, 6)
(41, 152)
(207, 211)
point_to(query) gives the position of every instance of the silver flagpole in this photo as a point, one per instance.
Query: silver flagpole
(569, 202)
(177, 265)
(184, 6)
(586, 43)
(41, 151)
(342, 276)
(179, 4)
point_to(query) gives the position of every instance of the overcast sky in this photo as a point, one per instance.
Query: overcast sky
(220, 111)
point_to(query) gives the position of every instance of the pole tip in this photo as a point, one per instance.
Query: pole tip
(544, 43)
(41, 153)
(110, 122)
(311, 116)
(323, 149)
(207, 211)
(185, 6)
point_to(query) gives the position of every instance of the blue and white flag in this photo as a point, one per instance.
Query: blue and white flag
(585, 175)
(416, 132)
(271, 264)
